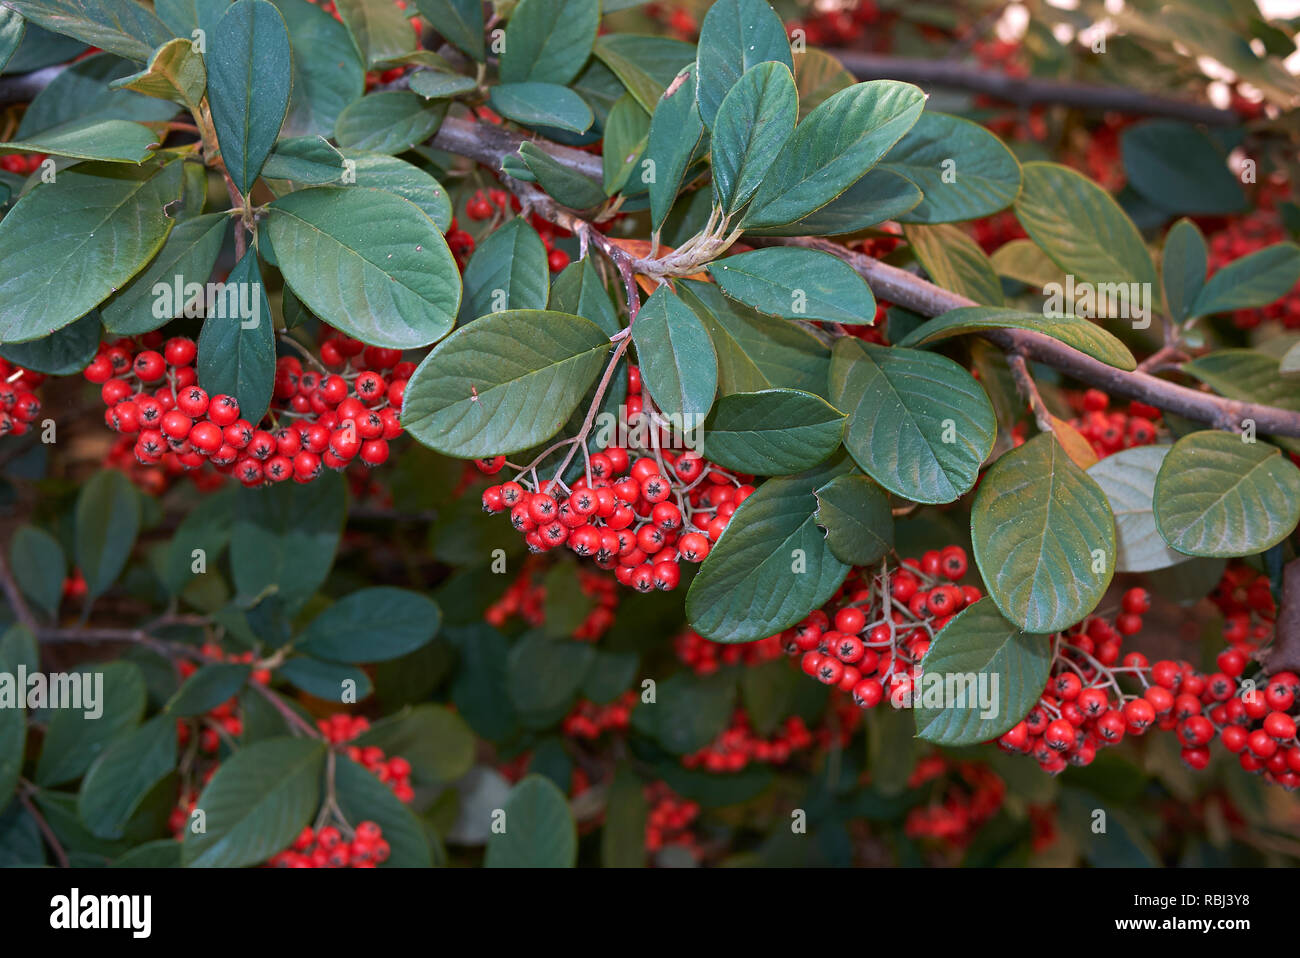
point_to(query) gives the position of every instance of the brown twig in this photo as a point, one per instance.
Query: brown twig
(1025, 91)
(25, 791)
(1284, 653)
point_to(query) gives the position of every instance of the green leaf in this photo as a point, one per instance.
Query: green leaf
(73, 740)
(833, 147)
(236, 359)
(190, 252)
(124, 774)
(855, 513)
(118, 26)
(645, 65)
(1250, 282)
(327, 70)
(797, 284)
(113, 141)
(163, 853)
(979, 642)
(95, 227)
(956, 262)
(1179, 169)
(755, 120)
(62, 353)
(207, 688)
(1182, 268)
(367, 262)
(580, 290)
(285, 537)
(534, 103)
(919, 424)
(566, 186)
(678, 365)
(626, 132)
(1081, 334)
(83, 91)
(1043, 536)
(185, 16)
(504, 383)
(507, 272)
(771, 567)
(309, 160)
(380, 28)
(175, 72)
(436, 85)
(543, 676)
(435, 740)
(38, 566)
(622, 839)
(12, 28)
(344, 632)
(880, 195)
(675, 134)
(736, 35)
(207, 528)
(1081, 227)
(363, 797)
(964, 170)
(388, 121)
(107, 523)
(250, 71)
(460, 21)
(1249, 375)
(1128, 479)
(756, 352)
(689, 712)
(547, 41)
(382, 172)
(818, 76)
(326, 680)
(1023, 261)
(774, 432)
(13, 745)
(257, 803)
(539, 829)
(1218, 495)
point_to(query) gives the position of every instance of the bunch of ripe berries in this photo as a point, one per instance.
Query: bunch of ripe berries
(1084, 707)
(19, 404)
(637, 514)
(318, 419)
(395, 771)
(329, 847)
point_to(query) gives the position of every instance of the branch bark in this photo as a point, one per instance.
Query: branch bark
(1025, 91)
(1284, 653)
(910, 291)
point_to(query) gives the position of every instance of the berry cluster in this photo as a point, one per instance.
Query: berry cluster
(19, 404)
(705, 657)
(1239, 236)
(738, 745)
(669, 820)
(588, 720)
(1108, 431)
(22, 164)
(526, 598)
(394, 771)
(329, 847)
(966, 795)
(332, 417)
(871, 636)
(637, 515)
(836, 27)
(1084, 708)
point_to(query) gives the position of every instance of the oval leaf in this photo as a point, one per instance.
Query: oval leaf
(678, 364)
(1085, 336)
(367, 262)
(539, 829)
(768, 570)
(774, 432)
(1128, 478)
(504, 383)
(797, 284)
(1040, 530)
(1217, 495)
(855, 513)
(919, 424)
(753, 123)
(996, 670)
(736, 35)
(345, 631)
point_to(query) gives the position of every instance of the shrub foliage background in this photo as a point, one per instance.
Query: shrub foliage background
(490, 222)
